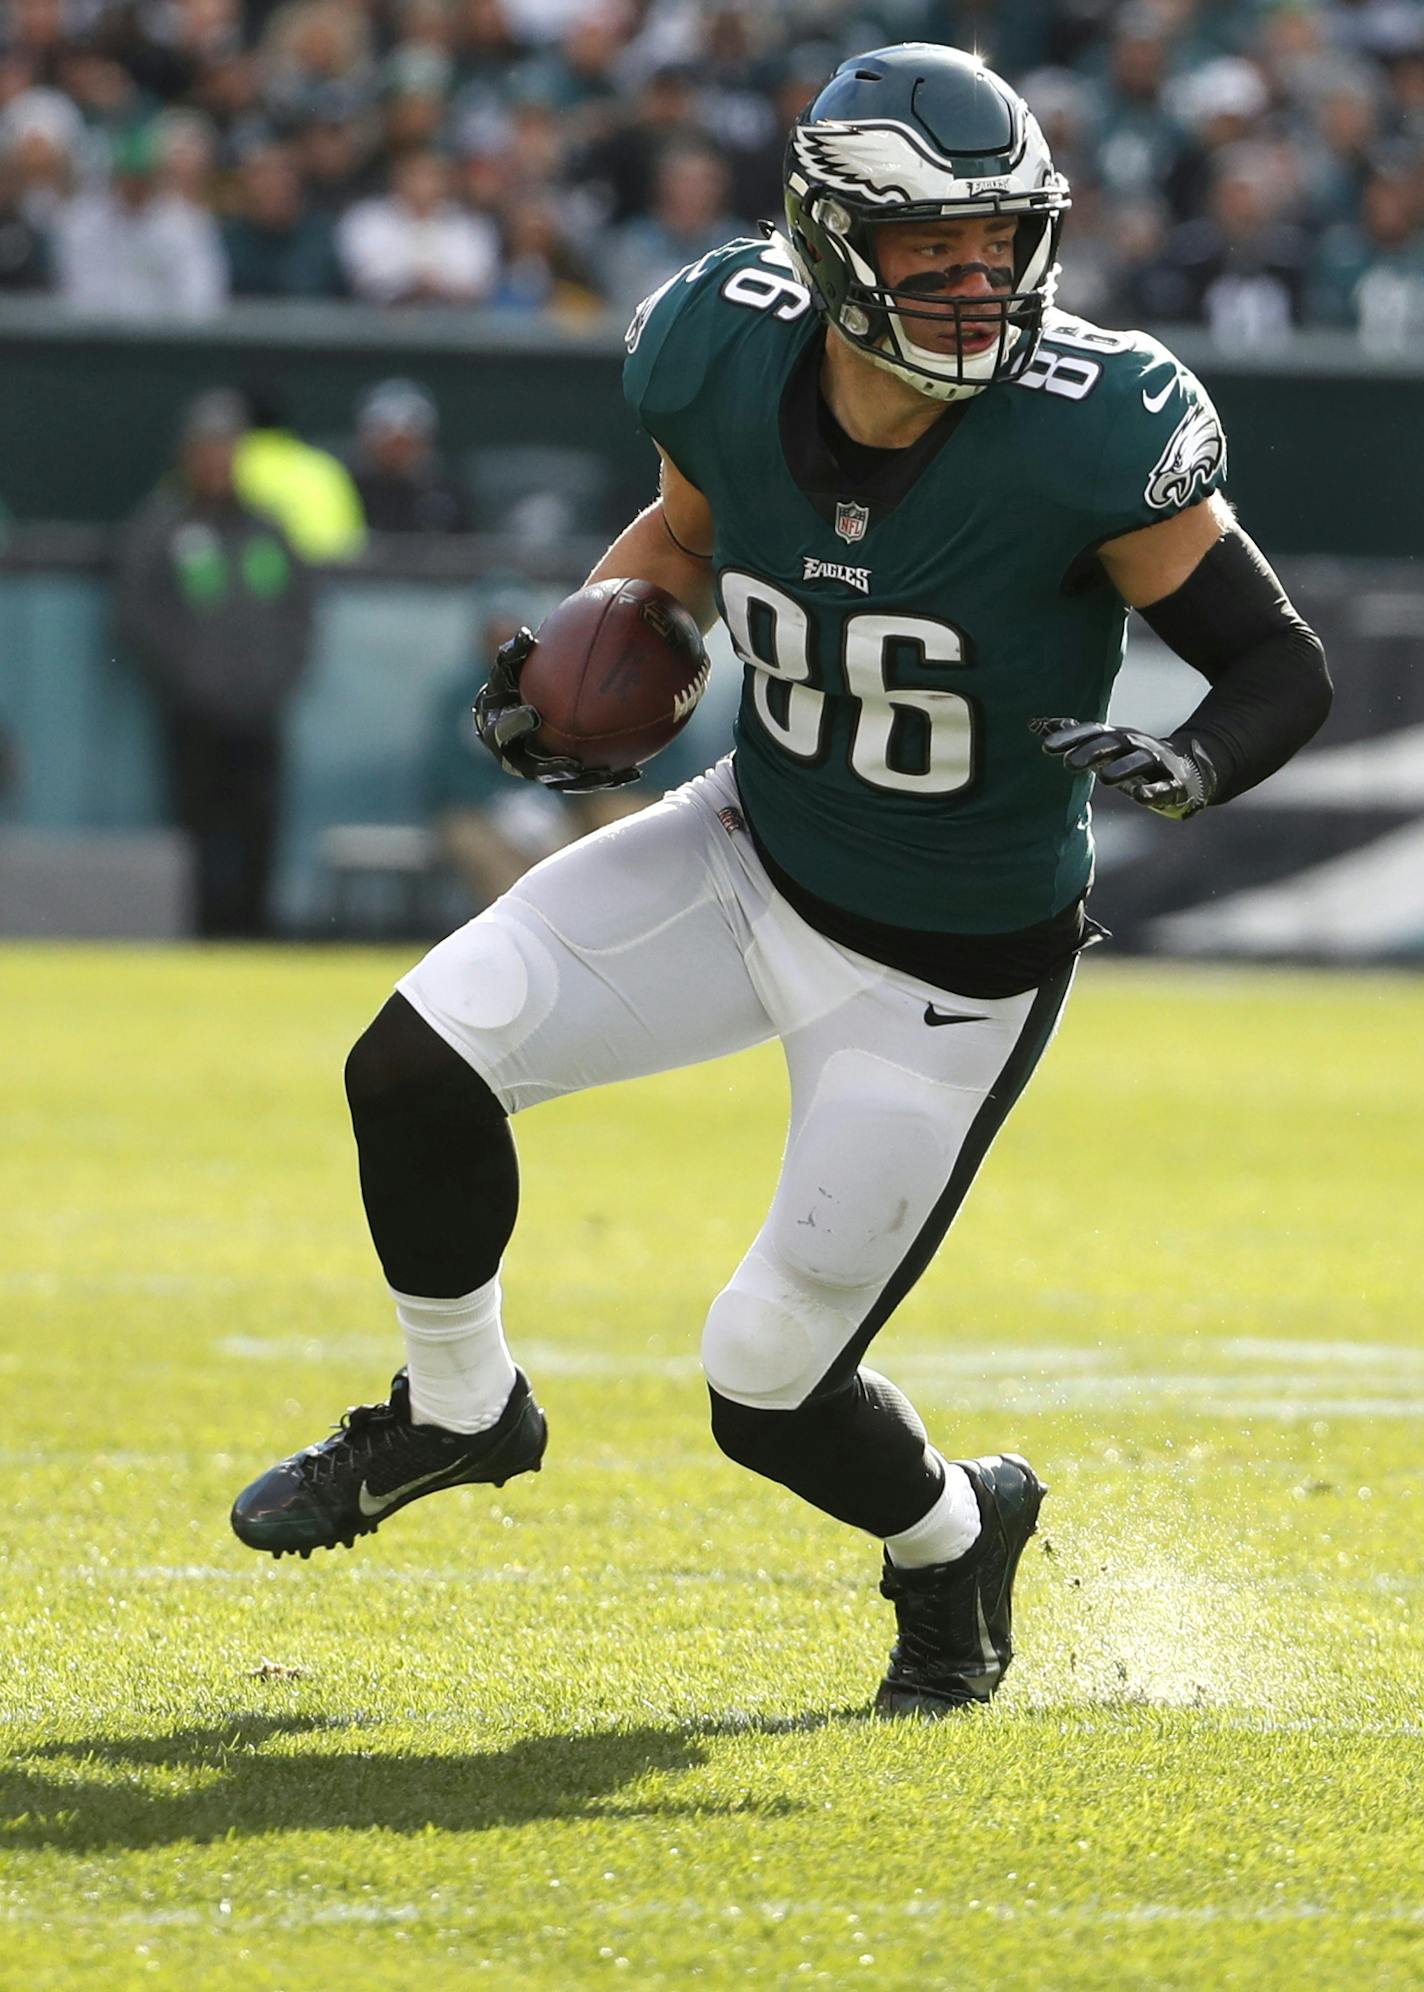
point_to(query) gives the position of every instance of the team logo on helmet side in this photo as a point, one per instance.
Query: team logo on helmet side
(1195, 452)
(852, 520)
(881, 162)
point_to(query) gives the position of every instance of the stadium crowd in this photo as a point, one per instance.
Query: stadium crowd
(1249, 165)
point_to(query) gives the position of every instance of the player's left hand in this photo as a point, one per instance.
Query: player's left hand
(1146, 770)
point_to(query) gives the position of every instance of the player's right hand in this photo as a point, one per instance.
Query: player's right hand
(505, 723)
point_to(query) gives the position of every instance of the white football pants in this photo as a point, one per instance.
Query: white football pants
(660, 942)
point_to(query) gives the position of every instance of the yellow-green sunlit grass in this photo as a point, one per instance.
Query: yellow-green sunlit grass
(607, 1725)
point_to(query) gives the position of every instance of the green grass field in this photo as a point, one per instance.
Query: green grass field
(607, 1725)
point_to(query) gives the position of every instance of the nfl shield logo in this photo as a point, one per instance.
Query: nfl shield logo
(852, 520)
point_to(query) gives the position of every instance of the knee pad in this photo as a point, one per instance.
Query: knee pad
(756, 1352)
(771, 1336)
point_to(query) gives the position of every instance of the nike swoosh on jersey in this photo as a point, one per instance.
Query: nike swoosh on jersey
(1154, 403)
(934, 1016)
(377, 1504)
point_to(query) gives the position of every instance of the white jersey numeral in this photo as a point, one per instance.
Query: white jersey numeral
(1070, 374)
(764, 290)
(916, 740)
(946, 745)
(773, 634)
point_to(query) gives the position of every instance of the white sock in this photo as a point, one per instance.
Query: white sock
(461, 1373)
(946, 1532)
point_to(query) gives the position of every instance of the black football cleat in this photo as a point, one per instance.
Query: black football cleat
(377, 1461)
(954, 1619)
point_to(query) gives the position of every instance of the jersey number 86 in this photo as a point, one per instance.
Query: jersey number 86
(913, 739)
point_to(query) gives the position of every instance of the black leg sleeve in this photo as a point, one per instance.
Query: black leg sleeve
(859, 1454)
(439, 1176)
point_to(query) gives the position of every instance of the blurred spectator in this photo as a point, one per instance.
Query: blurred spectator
(541, 270)
(402, 485)
(186, 145)
(732, 95)
(1240, 269)
(793, 80)
(24, 263)
(1140, 142)
(309, 492)
(135, 250)
(415, 246)
(578, 80)
(102, 89)
(541, 20)
(1294, 55)
(488, 55)
(218, 610)
(38, 35)
(309, 45)
(168, 50)
(1224, 104)
(228, 91)
(1347, 127)
(414, 90)
(689, 217)
(42, 140)
(424, 41)
(1370, 275)
(332, 146)
(622, 168)
(276, 246)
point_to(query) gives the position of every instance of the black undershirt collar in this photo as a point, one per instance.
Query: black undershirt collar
(829, 466)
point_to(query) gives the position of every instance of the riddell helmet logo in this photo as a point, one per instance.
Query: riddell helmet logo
(851, 521)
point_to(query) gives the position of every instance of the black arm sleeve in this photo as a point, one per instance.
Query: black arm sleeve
(1270, 691)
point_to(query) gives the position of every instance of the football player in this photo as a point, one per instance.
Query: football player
(922, 499)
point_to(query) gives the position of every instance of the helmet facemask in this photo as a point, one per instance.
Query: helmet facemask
(848, 176)
(882, 322)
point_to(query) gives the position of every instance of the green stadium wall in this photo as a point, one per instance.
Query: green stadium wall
(88, 413)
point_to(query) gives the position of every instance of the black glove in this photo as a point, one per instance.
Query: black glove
(1146, 770)
(504, 723)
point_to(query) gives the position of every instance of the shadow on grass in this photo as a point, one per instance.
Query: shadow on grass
(102, 1798)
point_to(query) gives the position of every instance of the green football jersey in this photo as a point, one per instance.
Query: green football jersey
(898, 642)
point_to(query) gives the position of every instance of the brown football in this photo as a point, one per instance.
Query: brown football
(616, 671)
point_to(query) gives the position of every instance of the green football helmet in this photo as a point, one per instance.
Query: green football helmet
(920, 133)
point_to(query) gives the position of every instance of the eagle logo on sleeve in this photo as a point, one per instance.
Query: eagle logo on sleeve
(1194, 454)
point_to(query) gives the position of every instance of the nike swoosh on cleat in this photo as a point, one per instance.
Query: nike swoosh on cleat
(377, 1504)
(986, 1644)
(1154, 403)
(934, 1016)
